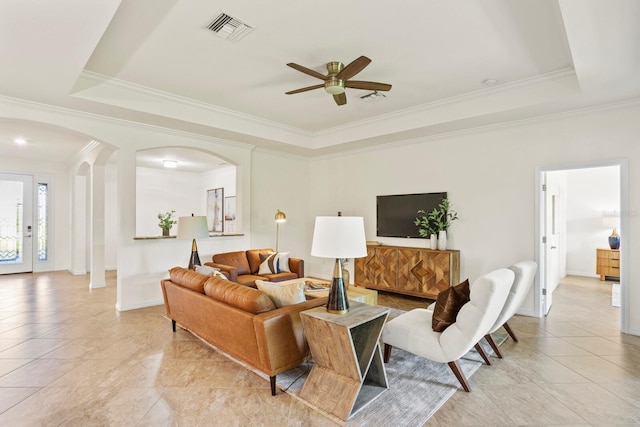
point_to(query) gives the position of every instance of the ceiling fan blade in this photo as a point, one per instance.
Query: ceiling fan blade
(353, 68)
(340, 99)
(307, 71)
(355, 84)
(304, 89)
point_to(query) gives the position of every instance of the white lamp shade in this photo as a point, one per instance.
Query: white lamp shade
(339, 237)
(192, 227)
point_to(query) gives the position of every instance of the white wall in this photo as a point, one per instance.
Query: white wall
(591, 192)
(490, 177)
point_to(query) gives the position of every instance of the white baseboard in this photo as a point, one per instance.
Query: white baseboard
(582, 274)
(137, 306)
(529, 313)
(78, 272)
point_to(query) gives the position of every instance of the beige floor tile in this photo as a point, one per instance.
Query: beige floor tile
(472, 409)
(596, 404)
(597, 345)
(597, 369)
(559, 347)
(37, 373)
(529, 403)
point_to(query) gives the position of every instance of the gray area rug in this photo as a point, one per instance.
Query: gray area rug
(417, 387)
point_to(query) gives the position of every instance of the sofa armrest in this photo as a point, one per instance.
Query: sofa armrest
(229, 271)
(296, 265)
(280, 336)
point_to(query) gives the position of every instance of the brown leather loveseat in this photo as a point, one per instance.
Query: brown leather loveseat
(244, 266)
(239, 320)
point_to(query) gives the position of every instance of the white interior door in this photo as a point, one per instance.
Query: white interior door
(552, 217)
(16, 229)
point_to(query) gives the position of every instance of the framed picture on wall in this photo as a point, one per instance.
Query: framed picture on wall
(215, 210)
(230, 214)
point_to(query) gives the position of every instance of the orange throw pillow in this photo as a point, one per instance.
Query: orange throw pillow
(448, 304)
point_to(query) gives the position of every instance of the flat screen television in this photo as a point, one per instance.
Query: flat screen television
(395, 213)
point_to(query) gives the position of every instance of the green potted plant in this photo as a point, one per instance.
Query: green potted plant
(436, 221)
(166, 222)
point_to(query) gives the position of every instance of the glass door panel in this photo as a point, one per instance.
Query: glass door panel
(16, 249)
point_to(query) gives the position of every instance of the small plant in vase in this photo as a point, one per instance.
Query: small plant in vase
(437, 221)
(166, 222)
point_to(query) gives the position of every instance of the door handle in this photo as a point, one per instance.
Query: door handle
(553, 247)
(28, 235)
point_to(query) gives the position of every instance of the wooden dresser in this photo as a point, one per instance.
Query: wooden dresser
(410, 271)
(608, 263)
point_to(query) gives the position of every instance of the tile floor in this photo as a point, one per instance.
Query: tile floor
(68, 358)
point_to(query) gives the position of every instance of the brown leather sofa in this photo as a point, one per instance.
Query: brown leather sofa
(238, 319)
(243, 266)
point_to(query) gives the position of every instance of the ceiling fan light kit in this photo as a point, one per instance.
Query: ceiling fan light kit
(337, 79)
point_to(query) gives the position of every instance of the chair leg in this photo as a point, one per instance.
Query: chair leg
(493, 345)
(510, 332)
(272, 379)
(483, 353)
(387, 353)
(173, 325)
(460, 376)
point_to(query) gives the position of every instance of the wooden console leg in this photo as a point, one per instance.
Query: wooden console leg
(387, 353)
(483, 353)
(173, 325)
(459, 375)
(493, 345)
(273, 385)
(510, 332)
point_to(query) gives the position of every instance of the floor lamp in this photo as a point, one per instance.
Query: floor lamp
(338, 237)
(280, 217)
(193, 227)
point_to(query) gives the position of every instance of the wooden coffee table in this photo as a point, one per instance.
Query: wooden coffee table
(354, 293)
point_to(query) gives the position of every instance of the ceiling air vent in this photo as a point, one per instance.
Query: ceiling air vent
(229, 28)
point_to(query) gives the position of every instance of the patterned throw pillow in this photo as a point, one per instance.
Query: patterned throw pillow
(274, 262)
(448, 304)
(268, 263)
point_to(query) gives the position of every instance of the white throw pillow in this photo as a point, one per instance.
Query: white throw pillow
(210, 271)
(283, 262)
(283, 293)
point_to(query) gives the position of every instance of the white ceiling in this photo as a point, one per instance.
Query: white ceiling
(155, 62)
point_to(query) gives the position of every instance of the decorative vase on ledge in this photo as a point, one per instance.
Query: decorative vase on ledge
(433, 241)
(165, 231)
(442, 240)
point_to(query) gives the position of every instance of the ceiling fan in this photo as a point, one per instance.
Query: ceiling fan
(337, 79)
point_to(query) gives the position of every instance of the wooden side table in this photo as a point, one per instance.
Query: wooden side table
(348, 371)
(608, 263)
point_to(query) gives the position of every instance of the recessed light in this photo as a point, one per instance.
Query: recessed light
(20, 141)
(170, 164)
(490, 82)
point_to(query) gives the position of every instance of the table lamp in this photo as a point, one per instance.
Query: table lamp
(193, 227)
(279, 217)
(338, 237)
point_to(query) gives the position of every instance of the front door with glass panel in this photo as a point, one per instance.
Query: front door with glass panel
(16, 229)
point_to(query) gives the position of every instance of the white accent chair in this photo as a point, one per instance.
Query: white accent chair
(525, 272)
(412, 331)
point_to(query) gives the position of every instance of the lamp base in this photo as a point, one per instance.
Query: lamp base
(195, 258)
(337, 303)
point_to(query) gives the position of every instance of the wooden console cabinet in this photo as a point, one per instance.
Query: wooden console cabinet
(608, 263)
(410, 271)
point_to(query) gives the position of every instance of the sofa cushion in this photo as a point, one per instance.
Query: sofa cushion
(448, 304)
(253, 257)
(283, 293)
(188, 278)
(238, 296)
(236, 259)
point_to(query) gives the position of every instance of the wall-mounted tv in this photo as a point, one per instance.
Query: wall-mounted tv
(396, 213)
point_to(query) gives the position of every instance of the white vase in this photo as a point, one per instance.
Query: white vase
(434, 241)
(442, 240)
